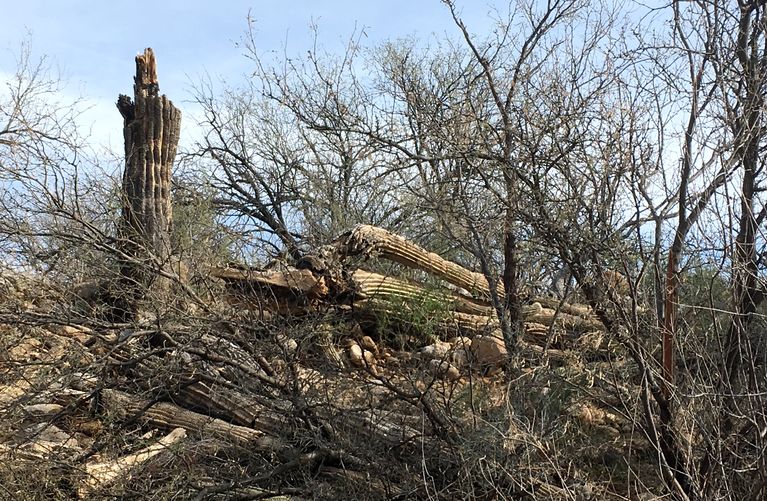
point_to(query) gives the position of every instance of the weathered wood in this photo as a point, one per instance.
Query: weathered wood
(278, 290)
(229, 405)
(370, 240)
(151, 126)
(100, 474)
(325, 278)
(169, 416)
(567, 321)
(580, 310)
(469, 315)
(277, 282)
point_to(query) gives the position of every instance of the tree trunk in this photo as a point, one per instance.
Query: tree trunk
(151, 132)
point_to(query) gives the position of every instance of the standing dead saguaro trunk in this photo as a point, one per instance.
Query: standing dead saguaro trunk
(151, 131)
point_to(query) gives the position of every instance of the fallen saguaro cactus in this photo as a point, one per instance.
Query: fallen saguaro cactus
(370, 240)
(99, 474)
(332, 277)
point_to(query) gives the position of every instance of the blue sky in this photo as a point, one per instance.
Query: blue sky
(93, 42)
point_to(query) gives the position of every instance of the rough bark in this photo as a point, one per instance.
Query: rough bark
(370, 240)
(169, 416)
(151, 125)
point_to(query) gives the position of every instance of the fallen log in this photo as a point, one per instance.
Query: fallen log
(370, 240)
(394, 297)
(166, 415)
(100, 474)
(288, 291)
(225, 403)
(580, 310)
(285, 282)
(375, 285)
(565, 320)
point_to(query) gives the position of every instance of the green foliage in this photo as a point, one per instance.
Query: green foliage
(705, 285)
(411, 321)
(197, 233)
(704, 301)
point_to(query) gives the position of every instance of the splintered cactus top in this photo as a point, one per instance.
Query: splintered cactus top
(146, 72)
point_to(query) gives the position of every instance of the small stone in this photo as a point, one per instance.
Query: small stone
(43, 410)
(360, 357)
(436, 351)
(488, 351)
(459, 357)
(460, 342)
(288, 344)
(81, 334)
(368, 343)
(354, 351)
(444, 370)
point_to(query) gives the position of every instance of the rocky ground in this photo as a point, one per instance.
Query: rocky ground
(225, 405)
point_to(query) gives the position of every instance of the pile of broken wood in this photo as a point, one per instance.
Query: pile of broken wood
(333, 277)
(239, 384)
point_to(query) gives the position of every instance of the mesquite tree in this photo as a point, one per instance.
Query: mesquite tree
(560, 137)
